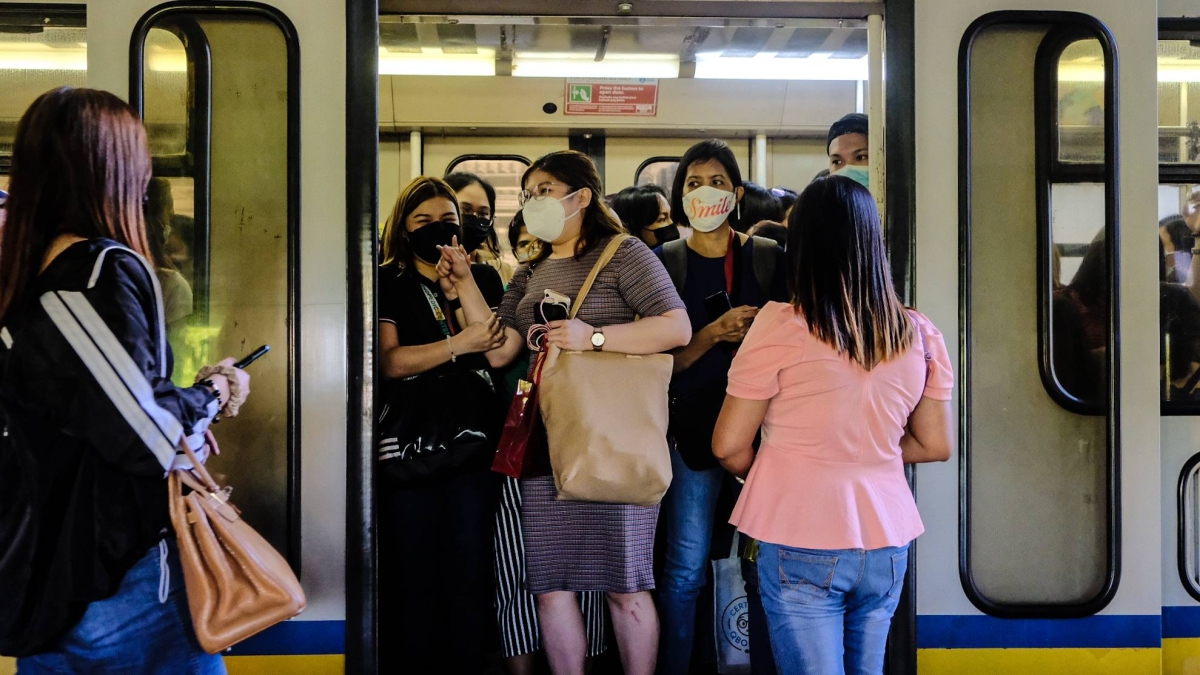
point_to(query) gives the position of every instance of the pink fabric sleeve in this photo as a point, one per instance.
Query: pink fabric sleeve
(775, 341)
(939, 383)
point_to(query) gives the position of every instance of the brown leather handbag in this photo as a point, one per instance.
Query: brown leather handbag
(237, 584)
(606, 419)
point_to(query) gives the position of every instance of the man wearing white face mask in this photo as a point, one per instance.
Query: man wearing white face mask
(847, 149)
(723, 277)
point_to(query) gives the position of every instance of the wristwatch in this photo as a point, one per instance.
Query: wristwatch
(598, 339)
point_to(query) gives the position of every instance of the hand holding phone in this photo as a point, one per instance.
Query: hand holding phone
(733, 324)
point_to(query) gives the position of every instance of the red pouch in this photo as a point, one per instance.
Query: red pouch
(523, 452)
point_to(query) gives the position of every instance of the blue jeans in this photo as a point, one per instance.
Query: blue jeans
(133, 633)
(829, 611)
(689, 509)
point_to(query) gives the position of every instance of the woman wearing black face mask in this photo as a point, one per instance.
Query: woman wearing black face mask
(435, 535)
(477, 200)
(645, 211)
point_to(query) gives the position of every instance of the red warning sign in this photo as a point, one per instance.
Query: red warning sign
(636, 97)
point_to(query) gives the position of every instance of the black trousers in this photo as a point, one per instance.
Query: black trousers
(762, 660)
(436, 583)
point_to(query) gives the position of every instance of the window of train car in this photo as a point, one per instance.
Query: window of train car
(219, 93)
(504, 173)
(659, 171)
(1179, 217)
(1039, 508)
(40, 48)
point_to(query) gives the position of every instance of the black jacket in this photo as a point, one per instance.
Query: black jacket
(92, 425)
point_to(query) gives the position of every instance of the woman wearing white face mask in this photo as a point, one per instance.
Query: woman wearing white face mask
(573, 547)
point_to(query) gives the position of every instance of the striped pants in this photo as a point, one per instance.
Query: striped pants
(515, 607)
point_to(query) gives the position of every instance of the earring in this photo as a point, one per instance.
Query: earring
(739, 212)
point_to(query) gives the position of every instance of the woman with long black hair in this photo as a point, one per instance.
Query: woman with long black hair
(847, 387)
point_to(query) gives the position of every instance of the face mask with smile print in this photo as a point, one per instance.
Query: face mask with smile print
(707, 207)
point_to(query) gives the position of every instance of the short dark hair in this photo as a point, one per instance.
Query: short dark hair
(787, 196)
(577, 171)
(1180, 234)
(637, 206)
(854, 123)
(701, 152)
(758, 204)
(514, 229)
(773, 231)
(838, 273)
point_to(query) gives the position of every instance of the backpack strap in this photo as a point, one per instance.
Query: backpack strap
(675, 260)
(765, 255)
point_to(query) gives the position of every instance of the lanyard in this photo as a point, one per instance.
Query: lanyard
(443, 323)
(729, 263)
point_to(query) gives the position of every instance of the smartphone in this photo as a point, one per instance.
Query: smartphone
(252, 357)
(554, 307)
(716, 305)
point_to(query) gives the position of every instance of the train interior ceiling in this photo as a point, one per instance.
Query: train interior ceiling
(480, 94)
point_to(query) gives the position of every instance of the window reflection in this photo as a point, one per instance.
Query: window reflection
(1079, 311)
(660, 173)
(1081, 103)
(505, 175)
(1179, 294)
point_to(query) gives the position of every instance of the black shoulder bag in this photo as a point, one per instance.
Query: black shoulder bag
(432, 426)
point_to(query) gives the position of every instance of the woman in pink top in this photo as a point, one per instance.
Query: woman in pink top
(847, 387)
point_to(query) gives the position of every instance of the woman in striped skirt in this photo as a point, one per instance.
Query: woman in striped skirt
(516, 610)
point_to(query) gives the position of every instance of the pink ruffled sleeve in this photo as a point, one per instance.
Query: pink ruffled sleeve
(775, 341)
(939, 382)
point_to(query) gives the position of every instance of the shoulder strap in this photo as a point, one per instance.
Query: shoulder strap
(765, 256)
(605, 258)
(675, 260)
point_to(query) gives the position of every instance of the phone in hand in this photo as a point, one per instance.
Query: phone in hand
(716, 305)
(554, 307)
(252, 357)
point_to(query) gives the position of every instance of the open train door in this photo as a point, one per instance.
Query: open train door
(1035, 171)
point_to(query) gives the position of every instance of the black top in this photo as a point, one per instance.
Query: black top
(92, 425)
(706, 277)
(403, 304)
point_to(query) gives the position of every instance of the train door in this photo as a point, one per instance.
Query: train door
(237, 201)
(1034, 170)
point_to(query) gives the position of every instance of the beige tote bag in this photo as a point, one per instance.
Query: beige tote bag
(606, 419)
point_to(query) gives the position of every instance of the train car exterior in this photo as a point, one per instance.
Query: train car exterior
(1063, 538)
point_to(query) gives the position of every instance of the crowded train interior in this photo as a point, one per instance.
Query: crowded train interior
(408, 200)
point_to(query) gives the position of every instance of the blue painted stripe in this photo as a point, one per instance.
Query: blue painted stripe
(1181, 622)
(939, 631)
(295, 638)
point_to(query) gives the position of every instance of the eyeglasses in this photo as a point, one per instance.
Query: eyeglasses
(540, 191)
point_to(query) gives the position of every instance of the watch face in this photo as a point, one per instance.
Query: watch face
(597, 339)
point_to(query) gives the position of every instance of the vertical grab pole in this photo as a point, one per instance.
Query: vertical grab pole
(760, 159)
(416, 152)
(875, 142)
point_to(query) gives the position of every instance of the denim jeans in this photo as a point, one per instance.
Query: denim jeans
(829, 611)
(133, 633)
(689, 509)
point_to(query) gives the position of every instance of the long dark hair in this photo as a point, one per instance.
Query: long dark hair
(80, 166)
(396, 252)
(838, 273)
(702, 152)
(637, 206)
(576, 170)
(461, 179)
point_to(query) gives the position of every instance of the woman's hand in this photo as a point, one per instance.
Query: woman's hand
(571, 335)
(479, 337)
(243, 381)
(211, 441)
(733, 325)
(455, 264)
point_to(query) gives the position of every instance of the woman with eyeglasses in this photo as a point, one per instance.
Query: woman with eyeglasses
(477, 199)
(574, 547)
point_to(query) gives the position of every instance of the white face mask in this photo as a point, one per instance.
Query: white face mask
(707, 207)
(546, 218)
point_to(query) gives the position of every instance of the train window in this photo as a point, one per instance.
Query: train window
(1038, 520)
(504, 173)
(41, 47)
(218, 88)
(659, 171)
(1179, 217)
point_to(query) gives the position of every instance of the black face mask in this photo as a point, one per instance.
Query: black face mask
(475, 231)
(425, 241)
(664, 234)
